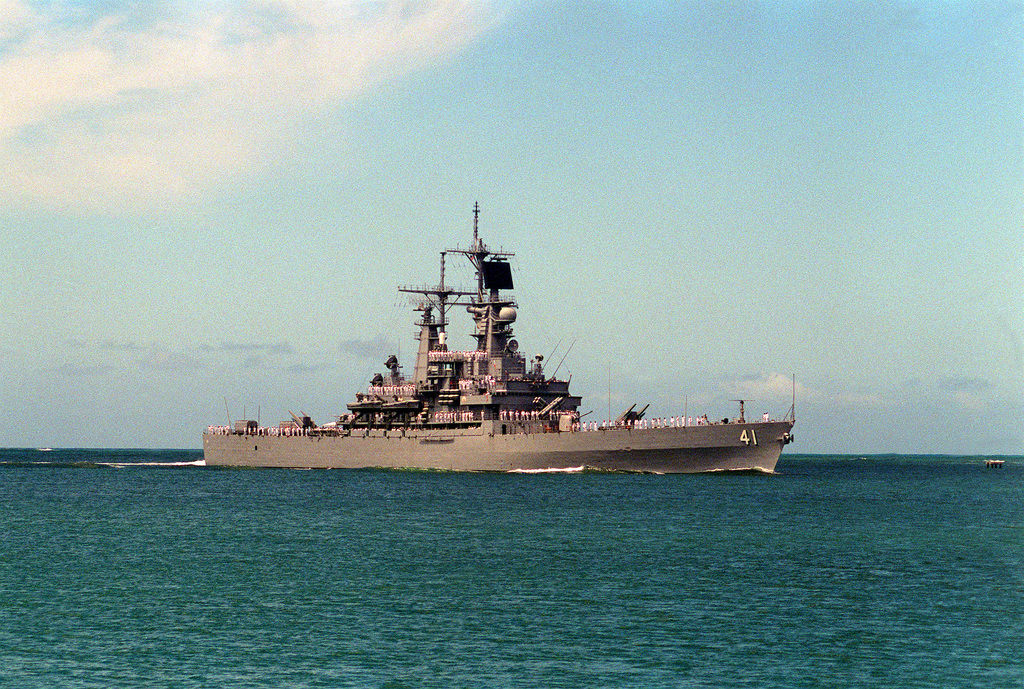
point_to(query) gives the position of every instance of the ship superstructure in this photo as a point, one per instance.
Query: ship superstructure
(491, 382)
(490, 408)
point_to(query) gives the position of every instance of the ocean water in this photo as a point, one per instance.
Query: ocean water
(144, 569)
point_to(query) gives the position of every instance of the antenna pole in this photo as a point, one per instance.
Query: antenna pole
(476, 221)
(792, 408)
(552, 354)
(477, 258)
(442, 305)
(563, 359)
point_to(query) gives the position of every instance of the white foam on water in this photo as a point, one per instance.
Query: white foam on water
(122, 465)
(565, 470)
(756, 470)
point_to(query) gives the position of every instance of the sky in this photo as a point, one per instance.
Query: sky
(208, 207)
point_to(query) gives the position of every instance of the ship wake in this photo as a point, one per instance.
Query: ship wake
(749, 470)
(551, 470)
(86, 464)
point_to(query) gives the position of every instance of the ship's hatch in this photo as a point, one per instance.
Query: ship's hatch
(497, 275)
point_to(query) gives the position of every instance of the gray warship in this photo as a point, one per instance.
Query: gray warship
(490, 409)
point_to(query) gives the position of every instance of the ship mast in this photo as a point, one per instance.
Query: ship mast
(493, 314)
(492, 275)
(477, 253)
(476, 223)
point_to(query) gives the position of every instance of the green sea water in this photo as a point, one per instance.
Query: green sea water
(144, 569)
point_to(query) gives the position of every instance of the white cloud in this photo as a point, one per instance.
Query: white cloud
(766, 386)
(117, 109)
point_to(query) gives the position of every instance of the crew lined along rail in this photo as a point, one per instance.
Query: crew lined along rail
(392, 391)
(444, 355)
(400, 392)
(471, 417)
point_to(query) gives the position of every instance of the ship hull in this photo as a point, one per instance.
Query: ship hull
(692, 449)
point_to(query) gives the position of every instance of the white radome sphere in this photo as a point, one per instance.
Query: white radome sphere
(506, 314)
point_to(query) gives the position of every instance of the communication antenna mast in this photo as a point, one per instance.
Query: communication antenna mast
(563, 359)
(792, 407)
(552, 354)
(476, 221)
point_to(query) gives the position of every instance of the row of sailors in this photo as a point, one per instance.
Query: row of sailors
(518, 414)
(473, 384)
(455, 416)
(504, 415)
(287, 431)
(392, 390)
(660, 422)
(456, 356)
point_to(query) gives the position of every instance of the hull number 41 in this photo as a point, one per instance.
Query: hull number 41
(747, 437)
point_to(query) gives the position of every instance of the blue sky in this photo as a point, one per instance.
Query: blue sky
(208, 207)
